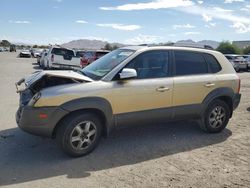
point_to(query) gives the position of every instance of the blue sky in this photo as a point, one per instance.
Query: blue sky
(130, 21)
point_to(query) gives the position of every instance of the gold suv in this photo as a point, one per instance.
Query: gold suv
(131, 85)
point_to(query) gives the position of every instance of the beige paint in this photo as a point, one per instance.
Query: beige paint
(137, 95)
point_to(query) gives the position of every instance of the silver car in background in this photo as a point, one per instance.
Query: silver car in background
(41, 59)
(238, 61)
(247, 57)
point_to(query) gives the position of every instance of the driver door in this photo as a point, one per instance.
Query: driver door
(149, 95)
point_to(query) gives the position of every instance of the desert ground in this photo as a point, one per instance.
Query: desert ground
(159, 155)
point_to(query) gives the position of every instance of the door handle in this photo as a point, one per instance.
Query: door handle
(209, 84)
(162, 89)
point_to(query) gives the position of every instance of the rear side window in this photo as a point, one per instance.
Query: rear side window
(62, 52)
(100, 54)
(212, 62)
(80, 54)
(89, 55)
(189, 63)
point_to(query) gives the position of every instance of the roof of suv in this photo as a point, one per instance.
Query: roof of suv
(136, 48)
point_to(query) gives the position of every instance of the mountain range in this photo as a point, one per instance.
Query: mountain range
(88, 44)
(98, 44)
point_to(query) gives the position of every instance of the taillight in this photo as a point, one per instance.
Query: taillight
(52, 57)
(239, 82)
(239, 86)
(83, 62)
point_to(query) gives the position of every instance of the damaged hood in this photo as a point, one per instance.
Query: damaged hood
(34, 77)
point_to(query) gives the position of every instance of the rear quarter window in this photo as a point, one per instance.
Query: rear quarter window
(212, 62)
(62, 52)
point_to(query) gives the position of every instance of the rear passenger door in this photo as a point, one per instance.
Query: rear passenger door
(193, 81)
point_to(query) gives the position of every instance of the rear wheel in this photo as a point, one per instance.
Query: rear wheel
(216, 117)
(79, 134)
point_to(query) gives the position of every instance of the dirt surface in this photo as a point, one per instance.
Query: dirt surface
(160, 155)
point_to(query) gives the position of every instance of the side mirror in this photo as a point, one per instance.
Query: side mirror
(128, 73)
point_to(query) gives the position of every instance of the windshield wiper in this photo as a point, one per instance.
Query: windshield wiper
(80, 72)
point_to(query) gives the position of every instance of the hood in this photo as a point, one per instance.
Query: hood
(50, 78)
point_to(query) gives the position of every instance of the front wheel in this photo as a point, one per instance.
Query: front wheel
(79, 134)
(216, 117)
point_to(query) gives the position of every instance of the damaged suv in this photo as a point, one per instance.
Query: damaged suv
(130, 85)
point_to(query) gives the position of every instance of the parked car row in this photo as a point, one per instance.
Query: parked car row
(63, 58)
(3, 49)
(239, 62)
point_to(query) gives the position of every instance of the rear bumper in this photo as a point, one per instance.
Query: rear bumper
(25, 55)
(28, 119)
(242, 66)
(236, 100)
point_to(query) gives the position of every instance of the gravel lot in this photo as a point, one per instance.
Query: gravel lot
(164, 155)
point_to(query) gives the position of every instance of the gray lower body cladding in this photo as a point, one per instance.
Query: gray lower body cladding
(30, 119)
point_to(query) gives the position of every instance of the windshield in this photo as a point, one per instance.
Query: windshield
(105, 64)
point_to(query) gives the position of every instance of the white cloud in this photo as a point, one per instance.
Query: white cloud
(81, 21)
(143, 39)
(240, 27)
(200, 2)
(187, 26)
(246, 8)
(219, 9)
(87, 37)
(192, 33)
(206, 18)
(120, 26)
(172, 35)
(231, 1)
(210, 13)
(210, 25)
(20, 21)
(155, 4)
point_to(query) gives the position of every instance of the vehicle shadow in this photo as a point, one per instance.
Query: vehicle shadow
(248, 109)
(37, 67)
(26, 158)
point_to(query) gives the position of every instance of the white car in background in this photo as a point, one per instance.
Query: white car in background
(40, 59)
(247, 57)
(37, 53)
(25, 53)
(238, 61)
(61, 58)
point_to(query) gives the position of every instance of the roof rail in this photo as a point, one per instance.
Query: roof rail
(181, 45)
(193, 46)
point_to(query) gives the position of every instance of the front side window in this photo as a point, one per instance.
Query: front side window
(189, 63)
(154, 64)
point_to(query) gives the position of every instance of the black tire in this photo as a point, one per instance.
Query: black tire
(212, 126)
(67, 129)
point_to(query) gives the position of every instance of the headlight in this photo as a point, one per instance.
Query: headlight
(34, 99)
